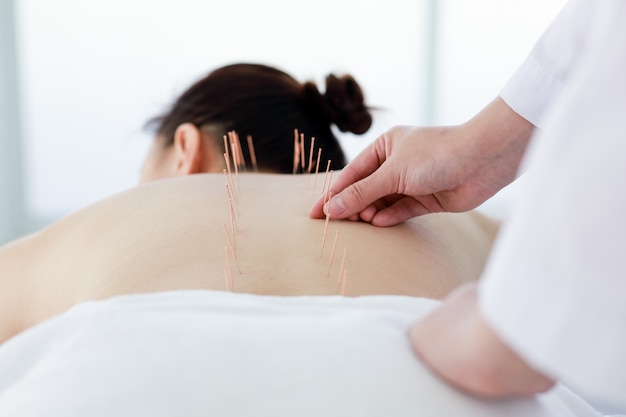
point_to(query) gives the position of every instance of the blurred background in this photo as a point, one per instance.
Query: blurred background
(78, 79)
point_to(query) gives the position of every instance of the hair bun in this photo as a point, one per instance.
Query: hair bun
(346, 104)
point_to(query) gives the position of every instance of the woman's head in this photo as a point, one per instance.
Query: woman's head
(259, 101)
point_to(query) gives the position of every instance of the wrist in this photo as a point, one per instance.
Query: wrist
(499, 131)
(492, 144)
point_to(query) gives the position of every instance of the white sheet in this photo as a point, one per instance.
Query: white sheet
(204, 353)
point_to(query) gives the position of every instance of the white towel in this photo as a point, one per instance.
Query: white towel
(210, 353)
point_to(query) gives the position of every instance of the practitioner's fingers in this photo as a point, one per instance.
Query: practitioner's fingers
(356, 197)
(363, 165)
(402, 208)
(368, 213)
(399, 212)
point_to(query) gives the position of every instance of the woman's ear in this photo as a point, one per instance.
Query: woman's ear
(188, 149)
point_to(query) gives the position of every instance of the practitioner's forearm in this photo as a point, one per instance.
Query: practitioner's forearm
(12, 261)
(456, 342)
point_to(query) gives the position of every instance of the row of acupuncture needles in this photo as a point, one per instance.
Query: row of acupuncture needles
(299, 154)
(234, 152)
(235, 161)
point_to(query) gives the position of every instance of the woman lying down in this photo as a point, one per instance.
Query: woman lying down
(188, 297)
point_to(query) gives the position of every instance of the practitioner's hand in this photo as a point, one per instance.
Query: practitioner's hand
(408, 171)
(460, 347)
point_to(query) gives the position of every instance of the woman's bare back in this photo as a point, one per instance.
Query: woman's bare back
(177, 234)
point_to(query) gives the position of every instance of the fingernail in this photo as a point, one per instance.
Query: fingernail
(334, 207)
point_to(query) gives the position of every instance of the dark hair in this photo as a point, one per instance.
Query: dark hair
(268, 104)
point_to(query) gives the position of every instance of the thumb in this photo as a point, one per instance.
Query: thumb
(361, 194)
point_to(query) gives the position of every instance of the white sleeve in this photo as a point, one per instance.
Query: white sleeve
(555, 287)
(541, 77)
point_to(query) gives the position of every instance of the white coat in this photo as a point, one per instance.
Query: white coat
(555, 287)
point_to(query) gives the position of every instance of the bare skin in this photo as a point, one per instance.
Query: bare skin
(169, 235)
(485, 366)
